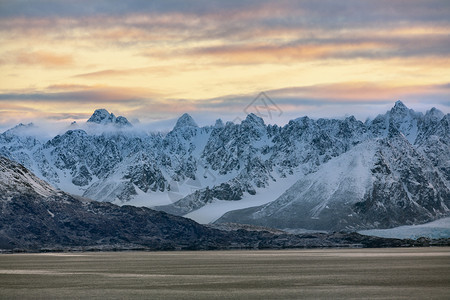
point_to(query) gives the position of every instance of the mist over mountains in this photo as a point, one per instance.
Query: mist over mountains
(324, 174)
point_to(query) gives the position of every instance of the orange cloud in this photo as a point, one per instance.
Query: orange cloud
(68, 87)
(126, 72)
(163, 70)
(251, 54)
(41, 58)
(358, 92)
(119, 60)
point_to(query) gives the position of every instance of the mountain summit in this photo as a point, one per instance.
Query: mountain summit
(254, 119)
(399, 105)
(184, 121)
(102, 116)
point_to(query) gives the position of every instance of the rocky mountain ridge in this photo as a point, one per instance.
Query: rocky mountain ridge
(193, 167)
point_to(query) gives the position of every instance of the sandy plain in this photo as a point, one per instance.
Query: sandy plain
(407, 273)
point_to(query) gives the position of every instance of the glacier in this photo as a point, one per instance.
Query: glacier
(433, 230)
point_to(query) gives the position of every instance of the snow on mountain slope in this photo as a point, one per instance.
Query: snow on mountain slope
(185, 121)
(338, 184)
(402, 118)
(206, 171)
(15, 178)
(259, 154)
(377, 184)
(216, 208)
(434, 141)
(33, 216)
(405, 120)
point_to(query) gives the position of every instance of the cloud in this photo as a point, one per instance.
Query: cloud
(68, 116)
(70, 87)
(367, 45)
(216, 56)
(248, 32)
(351, 93)
(48, 8)
(40, 58)
(362, 99)
(160, 70)
(288, 99)
(137, 21)
(343, 94)
(333, 12)
(75, 97)
(81, 94)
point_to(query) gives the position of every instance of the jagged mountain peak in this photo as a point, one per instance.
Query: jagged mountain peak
(20, 128)
(406, 120)
(184, 121)
(302, 119)
(400, 110)
(351, 119)
(254, 119)
(434, 114)
(102, 116)
(219, 123)
(21, 125)
(122, 121)
(76, 132)
(399, 105)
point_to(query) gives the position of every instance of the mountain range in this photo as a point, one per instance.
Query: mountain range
(324, 174)
(36, 217)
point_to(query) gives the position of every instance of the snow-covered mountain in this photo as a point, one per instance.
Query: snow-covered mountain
(205, 172)
(377, 184)
(102, 116)
(15, 178)
(34, 216)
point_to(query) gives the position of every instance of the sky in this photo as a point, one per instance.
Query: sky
(154, 60)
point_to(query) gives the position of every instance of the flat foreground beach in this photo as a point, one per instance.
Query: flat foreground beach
(410, 273)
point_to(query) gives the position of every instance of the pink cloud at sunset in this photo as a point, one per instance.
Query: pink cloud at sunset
(156, 60)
